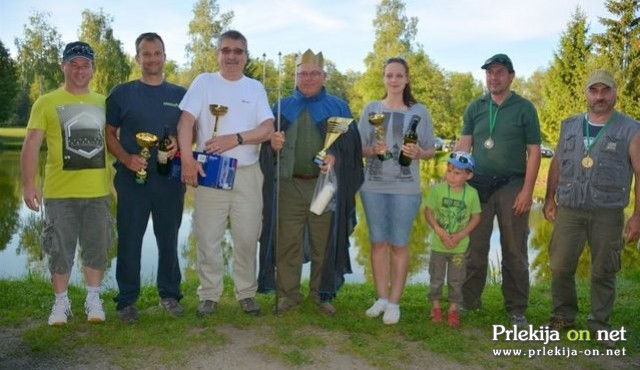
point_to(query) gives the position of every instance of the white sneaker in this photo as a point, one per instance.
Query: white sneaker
(94, 310)
(60, 311)
(378, 308)
(391, 314)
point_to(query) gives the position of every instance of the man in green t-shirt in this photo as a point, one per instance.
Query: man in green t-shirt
(76, 188)
(501, 129)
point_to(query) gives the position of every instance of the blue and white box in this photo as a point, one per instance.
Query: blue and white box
(220, 170)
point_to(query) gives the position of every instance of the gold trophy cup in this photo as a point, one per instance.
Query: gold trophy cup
(336, 126)
(218, 111)
(376, 120)
(146, 141)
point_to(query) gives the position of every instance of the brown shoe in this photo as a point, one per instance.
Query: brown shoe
(206, 308)
(285, 305)
(326, 308)
(250, 306)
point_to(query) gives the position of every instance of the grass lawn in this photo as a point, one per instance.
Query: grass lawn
(158, 340)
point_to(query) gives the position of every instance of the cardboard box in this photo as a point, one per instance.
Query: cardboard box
(220, 170)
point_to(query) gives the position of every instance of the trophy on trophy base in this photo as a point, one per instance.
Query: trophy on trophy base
(218, 111)
(336, 126)
(145, 140)
(376, 120)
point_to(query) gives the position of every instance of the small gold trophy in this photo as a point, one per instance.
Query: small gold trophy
(146, 141)
(336, 126)
(376, 120)
(218, 111)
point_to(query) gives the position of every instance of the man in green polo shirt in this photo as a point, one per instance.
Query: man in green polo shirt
(502, 131)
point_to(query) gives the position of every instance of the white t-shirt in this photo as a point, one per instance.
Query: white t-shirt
(247, 104)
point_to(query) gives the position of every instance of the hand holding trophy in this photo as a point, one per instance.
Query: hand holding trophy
(145, 140)
(336, 126)
(376, 120)
(218, 111)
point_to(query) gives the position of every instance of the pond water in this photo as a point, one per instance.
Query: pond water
(20, 246)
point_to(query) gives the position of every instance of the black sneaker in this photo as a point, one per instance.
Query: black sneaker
(559, 324)
(206, 308)
(172, 306)
(129, 314)
(250, 306)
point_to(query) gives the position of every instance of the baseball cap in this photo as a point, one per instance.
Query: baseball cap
(77, 49)
(601, 76)
(462, 160)
(499, 59)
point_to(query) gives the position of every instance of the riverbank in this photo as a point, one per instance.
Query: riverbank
(303, 339)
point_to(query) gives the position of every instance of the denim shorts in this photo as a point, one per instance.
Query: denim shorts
(390, 216)
(72, 220)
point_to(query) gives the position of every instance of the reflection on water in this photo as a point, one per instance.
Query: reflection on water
(20, 252)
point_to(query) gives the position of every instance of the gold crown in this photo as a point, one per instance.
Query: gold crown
(311, 58)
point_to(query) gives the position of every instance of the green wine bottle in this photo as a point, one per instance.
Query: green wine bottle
(411, 137)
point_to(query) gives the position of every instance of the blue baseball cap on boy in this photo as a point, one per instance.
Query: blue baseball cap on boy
(462, 160)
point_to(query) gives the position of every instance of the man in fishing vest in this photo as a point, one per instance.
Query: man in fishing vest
(587, 190)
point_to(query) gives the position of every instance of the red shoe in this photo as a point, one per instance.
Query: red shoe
(454, 320)
(436, 315)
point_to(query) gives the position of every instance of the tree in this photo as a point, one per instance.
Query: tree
(9, 83)
(461, 88)
(563, 90)
(204, 29)
(111, 63)
(394, 34)
(618, 49)
(38, 59)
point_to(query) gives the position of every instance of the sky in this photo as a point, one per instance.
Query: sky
(458, 35)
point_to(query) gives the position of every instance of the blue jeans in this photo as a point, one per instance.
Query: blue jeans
(390, 216)
(163, 199)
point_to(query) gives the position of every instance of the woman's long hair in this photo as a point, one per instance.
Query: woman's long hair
(407, 96)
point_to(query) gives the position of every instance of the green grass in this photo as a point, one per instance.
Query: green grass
(11, 138)
(293, 338)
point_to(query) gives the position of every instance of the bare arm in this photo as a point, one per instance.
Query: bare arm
(464, 144)
(474, 221)
(29, 158)
(524, 199)
(133, 162)
(190, 167)
(222, 143)
(632, 228)
(550, 205)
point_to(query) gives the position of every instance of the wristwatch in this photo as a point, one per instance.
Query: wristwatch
(240, 139)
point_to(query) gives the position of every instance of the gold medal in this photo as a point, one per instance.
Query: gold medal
(587, 162)
(488, 143)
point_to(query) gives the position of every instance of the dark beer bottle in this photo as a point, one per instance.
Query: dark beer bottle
(164, 165)
(411, 137)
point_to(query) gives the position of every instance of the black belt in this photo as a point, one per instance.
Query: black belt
(305, 177)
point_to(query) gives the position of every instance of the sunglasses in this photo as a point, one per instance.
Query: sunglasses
(235, 51)
(460, 157)
(80, 49)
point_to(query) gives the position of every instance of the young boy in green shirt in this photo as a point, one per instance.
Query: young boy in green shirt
(452, 211)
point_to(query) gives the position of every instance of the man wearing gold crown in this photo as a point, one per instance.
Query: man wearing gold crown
(303, 235)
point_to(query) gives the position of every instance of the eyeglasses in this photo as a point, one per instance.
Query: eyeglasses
(80, 49)
(312, 74)
(235, 51)
(461, 157)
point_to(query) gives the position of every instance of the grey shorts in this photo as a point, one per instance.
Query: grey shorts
(72, 220)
